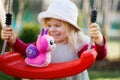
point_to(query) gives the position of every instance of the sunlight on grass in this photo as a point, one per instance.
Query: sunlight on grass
(113, 50)
(107, 79)
(104, 74)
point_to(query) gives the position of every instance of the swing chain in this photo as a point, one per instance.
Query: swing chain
(93, 19)
(94, 5)
(9, 4)
(8, 23)
(8, 15)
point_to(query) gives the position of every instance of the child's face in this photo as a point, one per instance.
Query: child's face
(57, 30)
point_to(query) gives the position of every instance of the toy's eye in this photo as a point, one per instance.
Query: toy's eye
(51, 42)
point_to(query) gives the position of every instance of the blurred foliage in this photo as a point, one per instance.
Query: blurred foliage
(15, 7)
(104, 75)
(80, 20)
(29, 32)
(5, 77)
(35, 6)
(116, 25)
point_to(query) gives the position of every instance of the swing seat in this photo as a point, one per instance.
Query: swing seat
(12, 63)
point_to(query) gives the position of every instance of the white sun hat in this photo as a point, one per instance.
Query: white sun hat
(63, 10)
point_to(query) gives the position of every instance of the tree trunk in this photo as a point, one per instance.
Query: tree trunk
(19, 16)
(106, 21)
(86, 10)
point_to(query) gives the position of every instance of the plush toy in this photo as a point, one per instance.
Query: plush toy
(40, 55)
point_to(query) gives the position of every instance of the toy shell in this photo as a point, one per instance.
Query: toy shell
(31, 51)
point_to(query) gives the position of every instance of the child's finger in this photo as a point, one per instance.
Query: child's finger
(7, 29)
(94, 25)
(94, 35)
(6, 36)
(94, 32)
(93, 29)
(6, 32)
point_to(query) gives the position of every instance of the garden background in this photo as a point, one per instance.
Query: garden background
(27, 27)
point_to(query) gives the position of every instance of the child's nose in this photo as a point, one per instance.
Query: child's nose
(52, 28)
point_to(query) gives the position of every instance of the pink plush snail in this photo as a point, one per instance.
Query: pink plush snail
(40, 55)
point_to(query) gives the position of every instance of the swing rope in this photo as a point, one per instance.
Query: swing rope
(93, 19)
(8, 23)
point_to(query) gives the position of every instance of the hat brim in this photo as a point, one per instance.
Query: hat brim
(46, 14)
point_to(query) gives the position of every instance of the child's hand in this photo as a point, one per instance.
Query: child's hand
(95, 33)
(8, 34)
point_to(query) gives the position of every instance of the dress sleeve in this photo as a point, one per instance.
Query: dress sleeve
(101, 50)
(20, 46)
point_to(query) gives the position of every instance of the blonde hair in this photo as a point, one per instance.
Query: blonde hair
(76, 39)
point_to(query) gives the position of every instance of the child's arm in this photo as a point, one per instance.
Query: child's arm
(20, 46)
(95, 33)
(13, 42)
(99, 40)
(101, 50)
(100, 43)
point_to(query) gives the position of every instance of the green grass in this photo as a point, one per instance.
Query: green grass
(104, 74)
(5, 77)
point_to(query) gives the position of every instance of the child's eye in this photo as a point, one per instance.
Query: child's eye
(58, 25)
(49, 26)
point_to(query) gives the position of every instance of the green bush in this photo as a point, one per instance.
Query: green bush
(5, 77)
(30, 32)
(116, 25)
